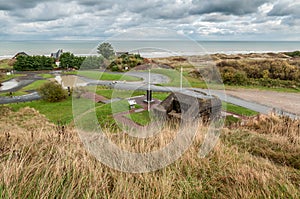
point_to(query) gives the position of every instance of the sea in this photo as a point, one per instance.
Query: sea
(147, 48)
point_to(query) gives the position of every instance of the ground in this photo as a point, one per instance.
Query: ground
(281, 100)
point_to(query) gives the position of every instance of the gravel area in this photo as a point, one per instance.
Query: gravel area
(289, 102)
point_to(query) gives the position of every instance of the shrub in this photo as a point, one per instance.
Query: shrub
(232, 76)
(126, 60)
(52, 92)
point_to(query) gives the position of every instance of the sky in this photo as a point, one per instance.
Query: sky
(248, 20)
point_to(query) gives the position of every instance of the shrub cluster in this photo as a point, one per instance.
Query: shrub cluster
(266, 72)
(126, 61)
(52, 92)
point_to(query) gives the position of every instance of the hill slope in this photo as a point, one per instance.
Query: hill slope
(40, 159)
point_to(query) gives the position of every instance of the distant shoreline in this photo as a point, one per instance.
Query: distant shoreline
(162, 55)
(148, 48)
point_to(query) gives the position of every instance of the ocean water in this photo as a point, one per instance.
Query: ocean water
(147, 48)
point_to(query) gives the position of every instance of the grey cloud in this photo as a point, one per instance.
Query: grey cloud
(16, 4)
(216, 17)
(234, 7)
(286, 8)
(97, 5)
(291, 21)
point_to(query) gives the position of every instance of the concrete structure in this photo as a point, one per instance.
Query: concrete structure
(189, 105)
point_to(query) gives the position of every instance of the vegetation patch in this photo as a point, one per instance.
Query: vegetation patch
(126, 62)
(110, 93)
(6, 64)
(238, 109)
(5, 77)
(231, 120)
(34, 86)
(55, 112)
(34, 63)
(105, 113)
(97, 75)
(52, 92)
(293, 54)
(55, 158)
(141, 118)
(259, 145)
(46, 76)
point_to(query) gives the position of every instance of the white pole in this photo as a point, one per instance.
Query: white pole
(149, 91)
(181, 79)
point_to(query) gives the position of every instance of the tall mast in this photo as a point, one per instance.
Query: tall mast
(149, 88)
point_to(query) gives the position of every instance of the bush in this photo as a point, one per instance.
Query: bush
(52, 92)
(293, 54)
(232, 76)
(126, 60)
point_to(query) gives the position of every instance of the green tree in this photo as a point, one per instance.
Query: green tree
(69, 60)
(52, 92)
(66, 60)
(93, 62)
(106, 50)
(32, 63)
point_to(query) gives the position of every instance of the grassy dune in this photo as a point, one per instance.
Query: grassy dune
(41, 160)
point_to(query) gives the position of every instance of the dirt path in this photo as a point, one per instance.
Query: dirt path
(283, 101)
(120, 117)
(93, 96)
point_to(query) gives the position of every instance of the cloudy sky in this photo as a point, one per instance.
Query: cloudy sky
(198, 19)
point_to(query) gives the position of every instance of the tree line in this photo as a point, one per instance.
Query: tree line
(66, 61)
(32, 63)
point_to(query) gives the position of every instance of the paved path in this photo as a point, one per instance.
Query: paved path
(17, 99)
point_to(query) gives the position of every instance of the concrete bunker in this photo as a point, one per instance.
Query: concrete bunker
(189, 105)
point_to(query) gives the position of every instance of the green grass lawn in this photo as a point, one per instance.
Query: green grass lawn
(187, 81)
(34, 85)
(238, 109)
(18, 93)
(62, 111)
(277, 89)
(110, 93)
(141, 118)
(55, 112)
(46, 75)
(23, 91)
(173, 75)
(105, 114)
(160, 95)
(104, 76)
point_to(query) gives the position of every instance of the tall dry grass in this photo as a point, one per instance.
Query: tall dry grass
(42, 160)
